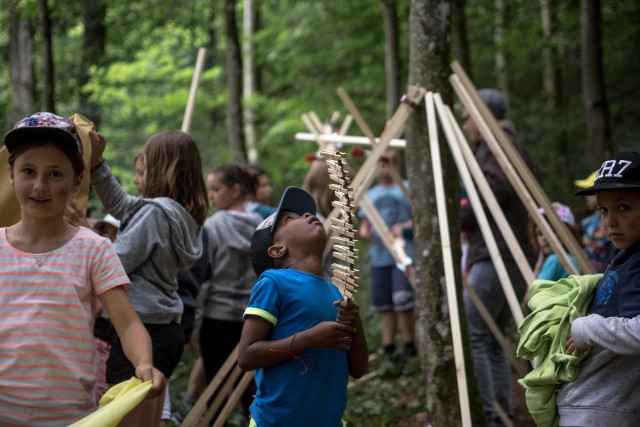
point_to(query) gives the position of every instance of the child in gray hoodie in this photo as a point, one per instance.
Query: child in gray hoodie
(160, 234)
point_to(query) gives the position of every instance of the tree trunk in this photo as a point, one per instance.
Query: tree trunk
(501, 58)
(249, 78)
(460, 39)
(21, 59)
(550, 70)
(429, 31)
(391, 58)
(93, 50)
(234, 84)
(593, 91)
(48, 91)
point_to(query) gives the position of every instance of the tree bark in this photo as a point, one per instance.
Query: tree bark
(249, 78)
(21, 60)
(593, 90)
(551, 81)
(429, 32)
(501, 58)
(48, 91)
(459, 33)
(93, 51)
(234, 84)
(391, 58)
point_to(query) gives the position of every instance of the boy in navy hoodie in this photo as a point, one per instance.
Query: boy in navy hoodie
(607, 389)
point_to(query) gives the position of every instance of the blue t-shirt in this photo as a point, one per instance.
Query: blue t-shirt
(294, 301)
(553, 270)
(394, 208)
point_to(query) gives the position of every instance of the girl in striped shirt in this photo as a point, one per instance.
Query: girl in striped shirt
(50, 275)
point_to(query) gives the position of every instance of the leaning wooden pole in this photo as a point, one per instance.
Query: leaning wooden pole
(195, 82)
(452, 298)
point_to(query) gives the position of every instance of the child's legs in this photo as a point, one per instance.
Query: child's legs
(197, 379)
(382, 302)
(403, 298)
(147, 413)
(388, 329)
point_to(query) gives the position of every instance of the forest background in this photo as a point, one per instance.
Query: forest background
(569, 68)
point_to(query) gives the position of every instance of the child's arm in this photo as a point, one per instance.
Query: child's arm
(358, 354)
(256, 351)
(620, 335)
(133, 336)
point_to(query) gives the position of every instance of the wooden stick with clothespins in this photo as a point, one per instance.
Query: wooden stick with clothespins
(345, 277)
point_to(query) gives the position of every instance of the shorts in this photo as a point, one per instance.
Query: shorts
(167, 342)
(390, 290)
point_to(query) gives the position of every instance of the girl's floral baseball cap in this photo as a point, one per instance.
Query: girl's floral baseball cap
(43, 126)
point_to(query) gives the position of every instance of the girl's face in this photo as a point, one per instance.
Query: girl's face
(44, 180)
(264, 190)
(620, 212)
(221, 196)
(544, 246)
(141, 172)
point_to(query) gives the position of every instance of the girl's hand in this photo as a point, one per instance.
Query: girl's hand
(572, 348)
(75, 215)
(148, 372)
(98, 144)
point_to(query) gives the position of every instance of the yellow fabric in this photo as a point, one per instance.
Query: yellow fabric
(117, 402)
(9, 207)
(587, 182)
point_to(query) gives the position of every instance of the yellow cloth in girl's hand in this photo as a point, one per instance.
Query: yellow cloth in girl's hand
(117, 402)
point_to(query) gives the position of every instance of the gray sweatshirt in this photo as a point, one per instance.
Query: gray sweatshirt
(157, 239)
(607, 389)
(229, 289)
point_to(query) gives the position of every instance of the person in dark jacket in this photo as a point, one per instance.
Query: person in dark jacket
(492, 367)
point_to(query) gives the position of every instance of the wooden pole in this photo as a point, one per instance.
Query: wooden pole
(356, 115)
(195, 82)
(346, 139)
(200, 406)
(452, 298)
(233, 399)
(524, 172)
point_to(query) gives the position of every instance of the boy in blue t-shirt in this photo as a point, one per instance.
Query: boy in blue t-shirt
(607, 389)
(299, 335)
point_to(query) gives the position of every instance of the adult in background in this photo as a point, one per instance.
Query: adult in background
(493, 371)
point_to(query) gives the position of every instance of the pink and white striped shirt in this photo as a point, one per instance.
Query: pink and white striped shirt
(48, 360)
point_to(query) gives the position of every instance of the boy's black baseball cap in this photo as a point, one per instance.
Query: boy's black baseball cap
(294, 199)
(44, 126)
(620, 171)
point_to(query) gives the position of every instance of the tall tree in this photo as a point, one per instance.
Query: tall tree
(501, 56)
(93, 50)
(391, 58)
(594, 98)
(21, 59)
(429, 33)
(459, 35)
(249, 80)
(234, 84)
(48, 81)
(550, 67)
